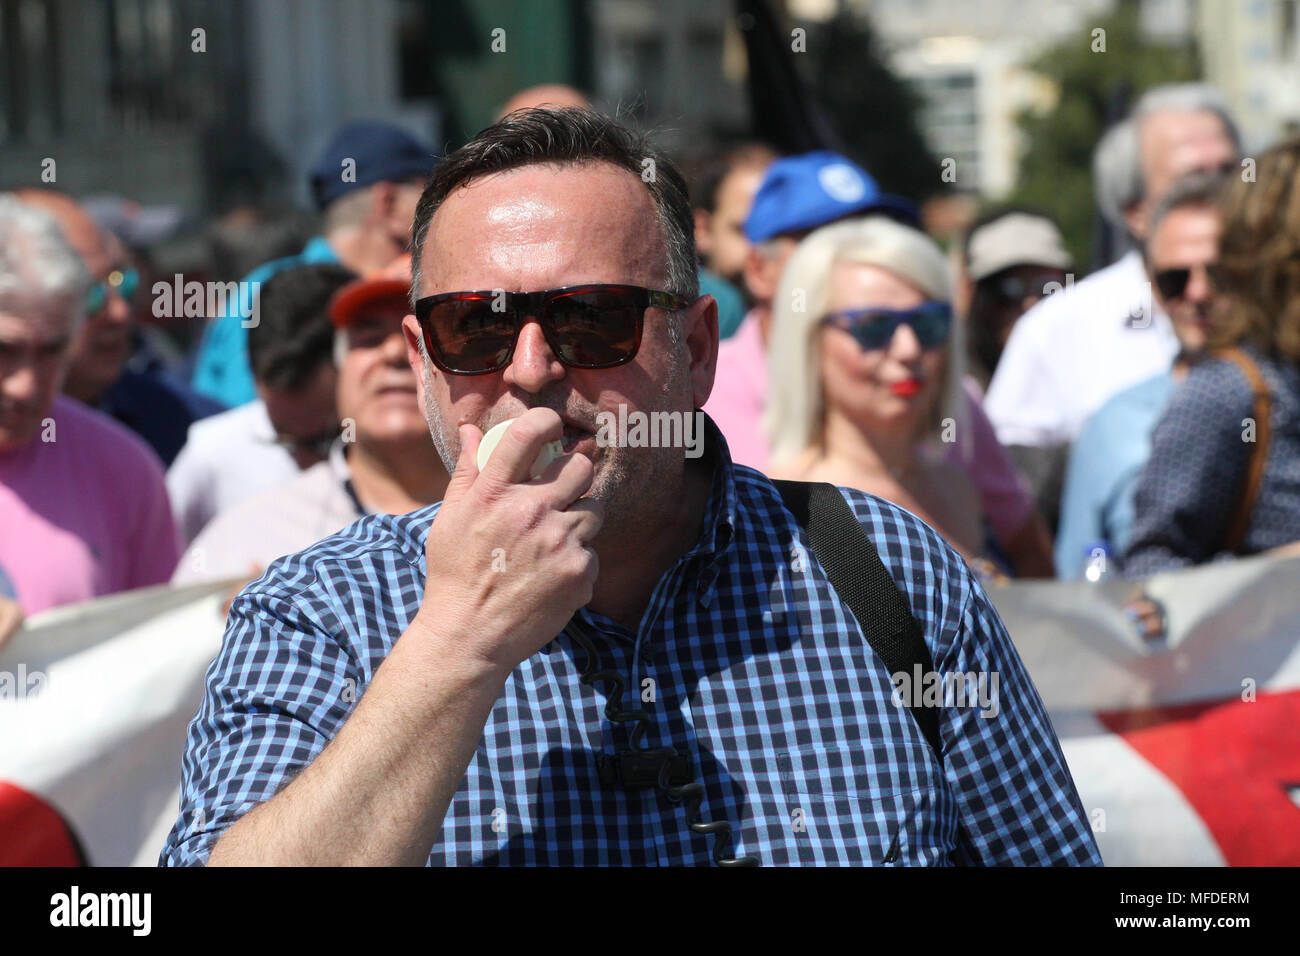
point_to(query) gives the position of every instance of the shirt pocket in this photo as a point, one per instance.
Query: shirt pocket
(847, 810)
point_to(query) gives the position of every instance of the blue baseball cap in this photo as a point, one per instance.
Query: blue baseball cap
(811, 190)
(380, 152)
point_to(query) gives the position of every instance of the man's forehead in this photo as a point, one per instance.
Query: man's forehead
(381, 313)
(544, 213)
(32, 329)
(1170, 128)
(1185, 229)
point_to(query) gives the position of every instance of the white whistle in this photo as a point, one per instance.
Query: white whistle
(550, 451)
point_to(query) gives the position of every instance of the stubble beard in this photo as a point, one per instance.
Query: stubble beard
(636, 484)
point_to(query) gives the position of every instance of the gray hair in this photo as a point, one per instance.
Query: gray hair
(348, 210)
(39, 271)
(795, 405)
(1194, 189)
(1117, 160)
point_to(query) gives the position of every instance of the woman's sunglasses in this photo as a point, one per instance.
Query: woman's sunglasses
(874, 328)
(586, 326)
(124, 281)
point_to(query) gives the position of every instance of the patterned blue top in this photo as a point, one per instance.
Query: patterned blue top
(1189, 490)
(745, 657)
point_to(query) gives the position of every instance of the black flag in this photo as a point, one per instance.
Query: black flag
(783, 112)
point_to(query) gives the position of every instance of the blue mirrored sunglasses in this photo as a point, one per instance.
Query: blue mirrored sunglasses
(874, 328)
(125, 282)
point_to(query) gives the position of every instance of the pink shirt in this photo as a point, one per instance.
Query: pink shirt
(1004, 496)
(740, 395)
(85, 514)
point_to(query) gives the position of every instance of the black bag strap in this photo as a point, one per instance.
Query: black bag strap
(859, 577)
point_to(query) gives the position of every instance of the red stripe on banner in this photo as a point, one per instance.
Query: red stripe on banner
(1234, 761)
(32, 833)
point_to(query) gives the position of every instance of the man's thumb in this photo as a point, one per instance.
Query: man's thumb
(466, 466)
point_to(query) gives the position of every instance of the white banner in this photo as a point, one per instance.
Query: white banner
(1185, 751)
(95, 699)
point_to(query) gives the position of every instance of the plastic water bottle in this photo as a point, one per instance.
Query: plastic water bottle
(1097, 562)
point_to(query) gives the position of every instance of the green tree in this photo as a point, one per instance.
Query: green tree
(1056, 168)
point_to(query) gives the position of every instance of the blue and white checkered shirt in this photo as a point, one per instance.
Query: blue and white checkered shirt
(746, 657)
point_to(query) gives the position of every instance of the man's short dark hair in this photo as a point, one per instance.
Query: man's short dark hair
(294, 335)
(718, 165)
(569, 136)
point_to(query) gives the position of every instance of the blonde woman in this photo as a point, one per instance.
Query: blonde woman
(866, 377)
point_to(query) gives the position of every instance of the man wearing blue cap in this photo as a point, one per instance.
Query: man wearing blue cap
(366, 184)
(797, 195)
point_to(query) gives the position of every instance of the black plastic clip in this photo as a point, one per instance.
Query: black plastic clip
(637, 771)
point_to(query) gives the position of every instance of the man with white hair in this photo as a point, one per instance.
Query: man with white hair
(1083, 344)
(82, 500)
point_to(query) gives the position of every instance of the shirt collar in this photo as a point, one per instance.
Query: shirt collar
(700, 564)
(342, 473)
(719, 528)
(261, 425)
(1144, 311)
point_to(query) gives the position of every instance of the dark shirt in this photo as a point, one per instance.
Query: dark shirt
(1200, 453)
(157, 407)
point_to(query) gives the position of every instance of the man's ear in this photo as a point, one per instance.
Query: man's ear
(383, 203)
(760, 289)
(700, 332)
(1136, 218)
(412, 333)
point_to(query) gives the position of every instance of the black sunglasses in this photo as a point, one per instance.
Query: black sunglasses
(586, 326)
(1172, 283)
(1014, 289)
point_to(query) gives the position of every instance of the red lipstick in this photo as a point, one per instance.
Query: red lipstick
(906, 388)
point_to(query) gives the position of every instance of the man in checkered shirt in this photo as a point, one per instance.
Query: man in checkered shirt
(408, 690)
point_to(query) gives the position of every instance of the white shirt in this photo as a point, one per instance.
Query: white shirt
(274, 522)
(226, 458)
(1076, 349)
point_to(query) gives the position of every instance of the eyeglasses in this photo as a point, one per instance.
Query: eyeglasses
(1014, 289)
(874, 328)
(1172, 283)
(126, 282)
(586, 326)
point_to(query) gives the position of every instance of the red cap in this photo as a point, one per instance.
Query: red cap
(350, 300)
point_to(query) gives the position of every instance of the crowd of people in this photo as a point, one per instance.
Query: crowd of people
(1144, 418)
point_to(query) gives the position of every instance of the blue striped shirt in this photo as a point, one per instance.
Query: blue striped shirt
(745, 657)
